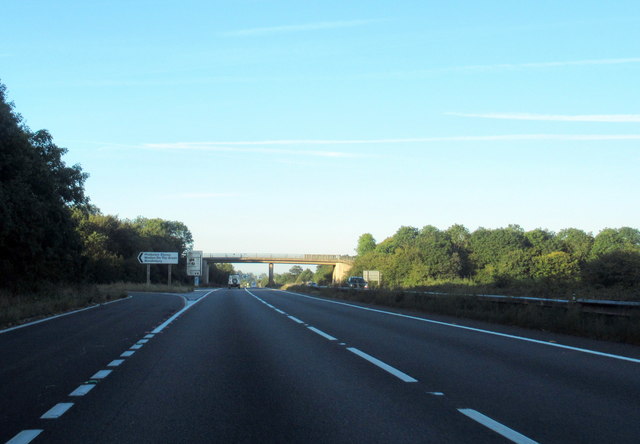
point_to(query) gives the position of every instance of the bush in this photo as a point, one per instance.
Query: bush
(621, 268)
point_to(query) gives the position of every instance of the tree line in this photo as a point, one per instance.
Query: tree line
(507, 256)
(49, 230)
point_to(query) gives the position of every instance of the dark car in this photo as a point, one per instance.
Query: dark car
(357, 282)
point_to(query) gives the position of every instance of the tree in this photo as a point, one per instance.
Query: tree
(366, 243)
(460, 238)
(323, 274)
(219, 273)
(556, 266)
(616, 268)
(542, 241)
(403, 238)
(169, 235)
(37, 191)
(305, 276)
(611, 239)
(577, 243)
(296, 270)
(489, 247)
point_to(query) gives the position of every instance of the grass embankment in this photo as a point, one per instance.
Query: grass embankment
(18, 308)
(567, 319)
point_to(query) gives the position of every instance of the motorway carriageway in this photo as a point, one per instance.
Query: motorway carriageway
(264, 365)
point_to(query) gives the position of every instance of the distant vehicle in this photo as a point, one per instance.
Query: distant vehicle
(234, 280)
(357, 282)
(311, 284)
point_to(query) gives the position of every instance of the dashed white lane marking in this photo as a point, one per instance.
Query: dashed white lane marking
(101, 374)
(296, 320)
(321, 333)
(115, 363)
(279, 311)
(478, 330)
(386, 367)
(188, 305)
(143, 341)
(127, 354)
(24, 437)
(82, 390)
(149, 336)
(57, 410)
(435, 393)
(501, 429)
(136, 346)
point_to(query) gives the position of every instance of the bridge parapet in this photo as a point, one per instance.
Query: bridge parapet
(341, 263)
(291, 258)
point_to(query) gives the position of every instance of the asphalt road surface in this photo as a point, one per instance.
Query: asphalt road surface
(271, 366)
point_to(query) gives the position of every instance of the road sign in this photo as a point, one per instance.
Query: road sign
(371, 276)
(157, 257)
(194, 263)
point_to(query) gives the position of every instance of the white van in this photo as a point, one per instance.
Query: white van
(234, 280)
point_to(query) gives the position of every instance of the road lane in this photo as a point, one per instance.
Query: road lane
(41, 364)
(267, 366)
(547, 393)
(234, 370)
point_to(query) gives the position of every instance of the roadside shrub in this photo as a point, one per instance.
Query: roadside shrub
(616, 268)
(556, 266)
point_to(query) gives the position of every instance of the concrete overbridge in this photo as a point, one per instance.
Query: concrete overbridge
(341, 264)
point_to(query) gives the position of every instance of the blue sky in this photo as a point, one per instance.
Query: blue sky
(288, 126)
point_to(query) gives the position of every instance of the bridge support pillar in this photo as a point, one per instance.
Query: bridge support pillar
(271, 283)
(340, 272)
(205, 273)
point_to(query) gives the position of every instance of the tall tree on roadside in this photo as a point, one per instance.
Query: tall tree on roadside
(577, 243)
(366, 243)
(37, 190)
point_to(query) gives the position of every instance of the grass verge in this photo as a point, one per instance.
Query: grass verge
(567, 319)
(19, 308)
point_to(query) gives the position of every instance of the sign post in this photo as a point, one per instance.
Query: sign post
(157, 257)
(194, 266)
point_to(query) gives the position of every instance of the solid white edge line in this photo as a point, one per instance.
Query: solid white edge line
(478, 330)
(501, 429)
(82, 390)
(386, 367)
(57, 410)
(101, 374)
(321, 333)
(162, 326)
(279, 311)
(24, 437)
(50, 318)
(115, 363)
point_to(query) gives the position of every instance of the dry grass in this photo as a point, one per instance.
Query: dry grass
(566, 319)
(50, 300)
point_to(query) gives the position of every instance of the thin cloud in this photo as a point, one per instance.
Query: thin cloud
(299, 28)
(238, 146)
(200, 195)
(506, 66)
(617, 118)
(235, 147)
(502, 67)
